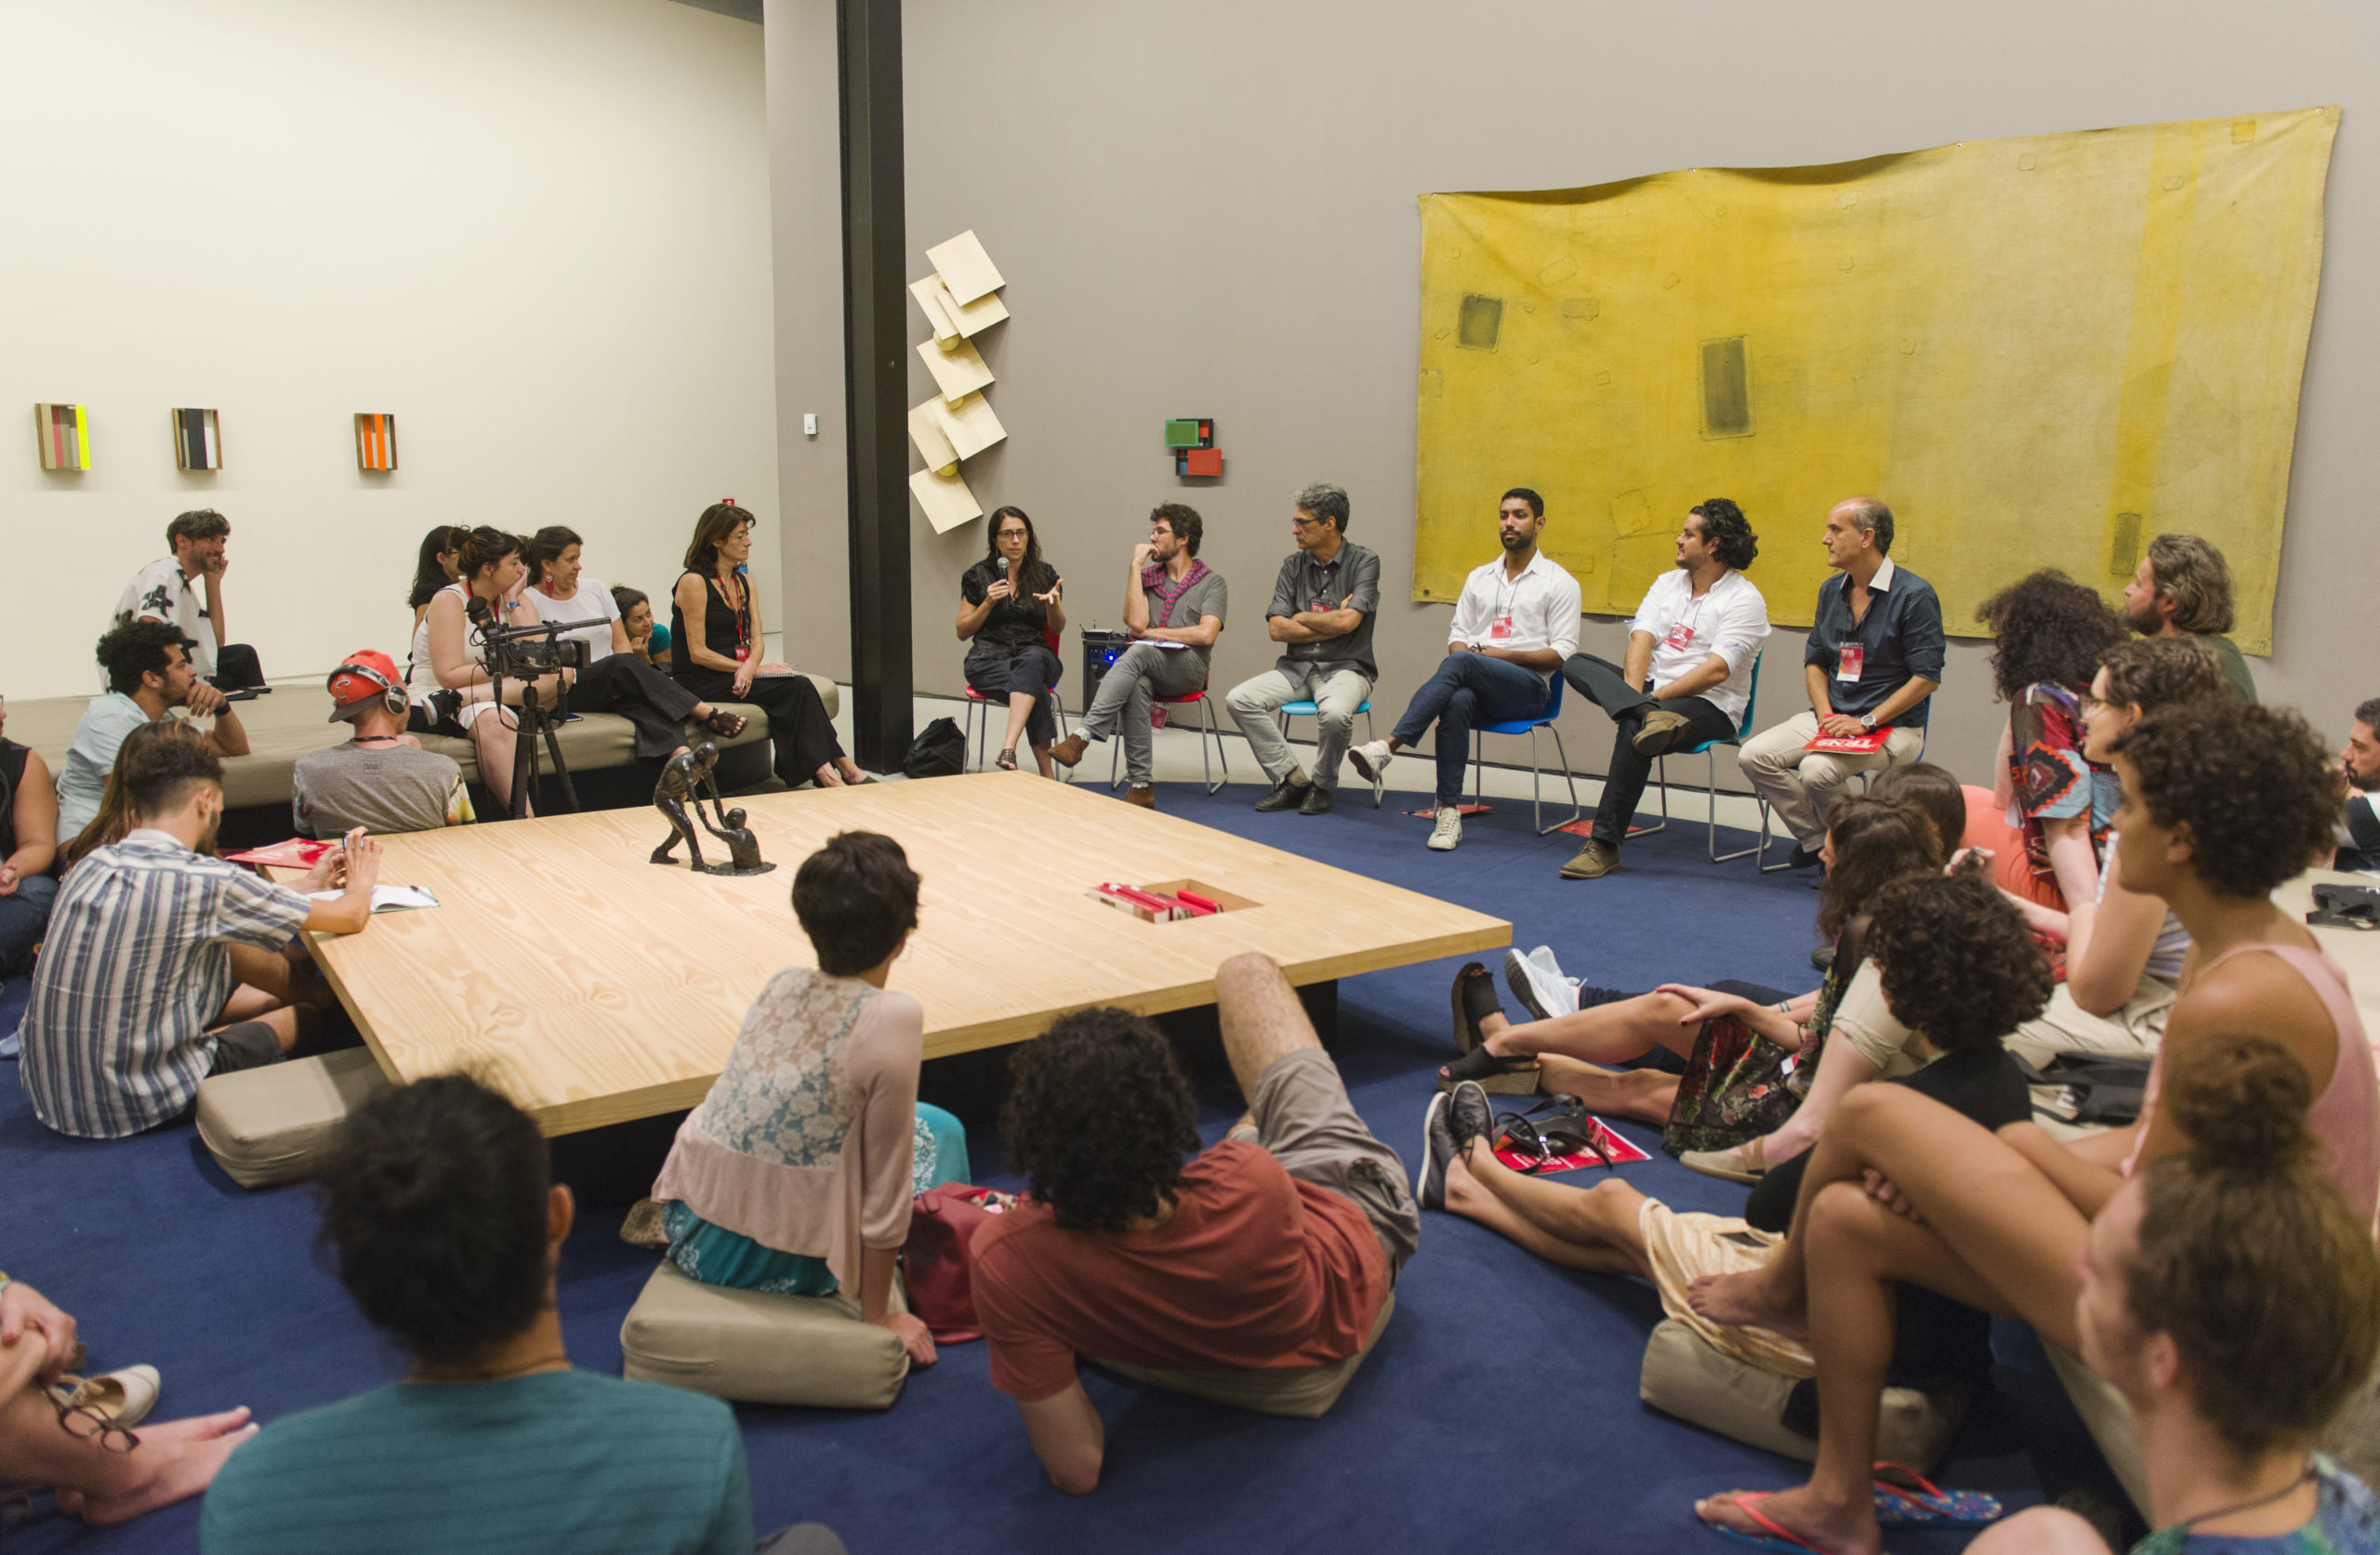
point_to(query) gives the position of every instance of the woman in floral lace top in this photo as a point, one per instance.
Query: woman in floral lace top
(796, 1173)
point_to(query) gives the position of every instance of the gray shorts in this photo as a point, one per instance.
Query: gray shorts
(249, 1044)
(1304, 1120)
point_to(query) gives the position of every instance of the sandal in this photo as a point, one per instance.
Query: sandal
(125, 1397)
(1499, 1076)
(1006, 761)
(1474, 1000)
(1775, 1535)
(1743, 1163)
(724, 724)
(1904, 1495)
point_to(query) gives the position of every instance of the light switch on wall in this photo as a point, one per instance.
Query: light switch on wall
(809, 424)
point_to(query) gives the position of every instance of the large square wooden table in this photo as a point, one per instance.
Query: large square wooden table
(594, 986)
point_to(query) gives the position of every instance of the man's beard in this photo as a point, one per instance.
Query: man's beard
(2361, 783)
(1516, 540)
(214, 829)
(2146, 621)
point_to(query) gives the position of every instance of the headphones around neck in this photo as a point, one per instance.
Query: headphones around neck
(393, 700)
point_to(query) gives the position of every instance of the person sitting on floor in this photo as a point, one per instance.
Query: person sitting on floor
(1323, 607)
(28, 849)
(114, 821)
(380, 779)
(797, 1172)
(648, 639)
(442, 1215)
(1176, 640)
(1957, 966)
(149, 673)
(1933, 791)
(78, 1441)
(2182, 588)
(1736, 1037)
(2359, 827)
(1012, 606)
(2231, 1295)
(170, 591)
(1901, 1189)
(164, 966)
(1516, 624)
(715, 647)
(1688, 676)
(1872, 664)
(1274, 1249)
(2124, 951)
(2049, 635)
(615, 679)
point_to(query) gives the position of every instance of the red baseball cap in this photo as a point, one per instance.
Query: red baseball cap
(359, 681)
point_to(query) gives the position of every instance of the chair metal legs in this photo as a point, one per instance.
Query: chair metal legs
(1536, 777)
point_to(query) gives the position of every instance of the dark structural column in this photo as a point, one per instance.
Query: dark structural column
(876, 377)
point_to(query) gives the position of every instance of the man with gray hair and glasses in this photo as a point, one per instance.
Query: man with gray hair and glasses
(1874, 658)
(1322, 609)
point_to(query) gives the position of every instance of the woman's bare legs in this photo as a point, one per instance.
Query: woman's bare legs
(1645, 1095)
(848, 769)
(1601, 1034)
(1593, 1229)
(493, 741)
(828, 776)
(1020, 707)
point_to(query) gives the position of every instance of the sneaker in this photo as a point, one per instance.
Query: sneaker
(1437, 1150)
(1286, 794)
(1372, 761)
(1068, 751)
(1447, 833)
(1822, 958)
(1594, 861)
(1659, 734)
(1470, 1114)
(1538, 983)
(1316, 800)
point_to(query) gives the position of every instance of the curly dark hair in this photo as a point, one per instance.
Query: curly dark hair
(1098, 1118)
(137, 647)
(1956, 959)
(2047, 628)
(2252, 784)
(2251, 1257)
(434, 1206)
(855, 898)
(1187, 526)
(1876, 841)
(1727, 532)
(2152, 672)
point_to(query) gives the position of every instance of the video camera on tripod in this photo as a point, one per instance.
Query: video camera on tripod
(526, 654)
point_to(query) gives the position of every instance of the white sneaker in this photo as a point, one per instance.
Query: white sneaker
(1449, 831)
(1536, 980)
(1372, 762)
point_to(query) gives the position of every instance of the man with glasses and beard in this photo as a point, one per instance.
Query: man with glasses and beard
(164, 965)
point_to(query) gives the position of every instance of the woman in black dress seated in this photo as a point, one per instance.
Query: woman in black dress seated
(1009, 608)
(715, 650)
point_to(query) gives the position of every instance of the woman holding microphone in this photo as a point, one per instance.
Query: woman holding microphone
(1009, 608)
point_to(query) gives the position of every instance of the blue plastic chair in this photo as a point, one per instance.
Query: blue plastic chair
(1711, 777)
(1306, 709)
(1536, 773)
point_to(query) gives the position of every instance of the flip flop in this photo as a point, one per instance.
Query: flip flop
(1777, 1537)
(1922, 1501)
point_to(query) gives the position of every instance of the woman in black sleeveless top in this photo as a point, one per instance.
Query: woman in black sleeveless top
(1010, 605)
(721, 662)
(28, 847)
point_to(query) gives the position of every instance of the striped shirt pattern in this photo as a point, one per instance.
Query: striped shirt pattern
(136, 966)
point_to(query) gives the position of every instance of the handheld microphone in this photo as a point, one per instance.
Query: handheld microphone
(1001, 563)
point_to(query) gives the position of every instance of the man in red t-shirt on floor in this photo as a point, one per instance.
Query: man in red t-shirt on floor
(1275, 1250)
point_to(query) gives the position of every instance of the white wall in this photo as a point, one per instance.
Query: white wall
(536, 231)
(1209, 210)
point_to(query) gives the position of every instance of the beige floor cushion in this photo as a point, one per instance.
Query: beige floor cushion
(1685, 1377)
(758, 1347)
(1306, 1392)
(267, 1126)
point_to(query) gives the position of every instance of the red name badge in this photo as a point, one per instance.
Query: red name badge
(1847, 661)
(1500, 629)
(1680, 636)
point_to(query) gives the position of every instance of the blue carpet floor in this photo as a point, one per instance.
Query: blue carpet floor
(1500, 1410)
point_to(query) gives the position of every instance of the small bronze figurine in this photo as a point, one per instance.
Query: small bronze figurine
(685, 781)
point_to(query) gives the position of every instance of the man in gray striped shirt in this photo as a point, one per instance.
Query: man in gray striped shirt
(164, 964)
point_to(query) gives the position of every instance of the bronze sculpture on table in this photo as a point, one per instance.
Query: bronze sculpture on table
(686, 778)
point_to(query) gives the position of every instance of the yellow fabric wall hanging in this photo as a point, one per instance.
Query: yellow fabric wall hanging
(2039, 351)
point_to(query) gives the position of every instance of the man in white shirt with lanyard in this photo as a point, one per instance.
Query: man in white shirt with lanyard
(1516, 622)
(1693, 643)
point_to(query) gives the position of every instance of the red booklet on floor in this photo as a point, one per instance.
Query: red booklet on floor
(1867, 744)
(1622, 1153)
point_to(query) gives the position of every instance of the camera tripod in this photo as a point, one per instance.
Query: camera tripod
(537, 721)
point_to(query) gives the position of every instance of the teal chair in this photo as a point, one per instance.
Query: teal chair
(1529, 727)
(1306, 709)
(1710, 778)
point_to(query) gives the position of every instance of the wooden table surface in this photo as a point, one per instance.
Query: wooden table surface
(594, 987)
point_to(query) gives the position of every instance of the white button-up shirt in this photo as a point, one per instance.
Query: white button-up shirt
(1731, 619)
(1540, 608)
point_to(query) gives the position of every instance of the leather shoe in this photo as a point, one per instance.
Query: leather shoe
(1284, 794)
(1142, 795)
(1470, 1114)
(1316, 800)
(1068, 751)
(1597, 859)
(1660, 734)
(1801, 858)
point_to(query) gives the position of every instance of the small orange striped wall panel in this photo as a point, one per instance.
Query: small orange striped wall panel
(65, 434)
(375, 442)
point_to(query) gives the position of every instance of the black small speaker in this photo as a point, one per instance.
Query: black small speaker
(1100, 652)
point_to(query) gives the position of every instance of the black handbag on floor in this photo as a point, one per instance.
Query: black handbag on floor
(2100, 1086)
(939, 751)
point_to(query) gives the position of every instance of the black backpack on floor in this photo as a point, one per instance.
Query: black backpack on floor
(939, 751)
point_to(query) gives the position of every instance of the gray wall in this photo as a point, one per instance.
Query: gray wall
(1210, 211)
